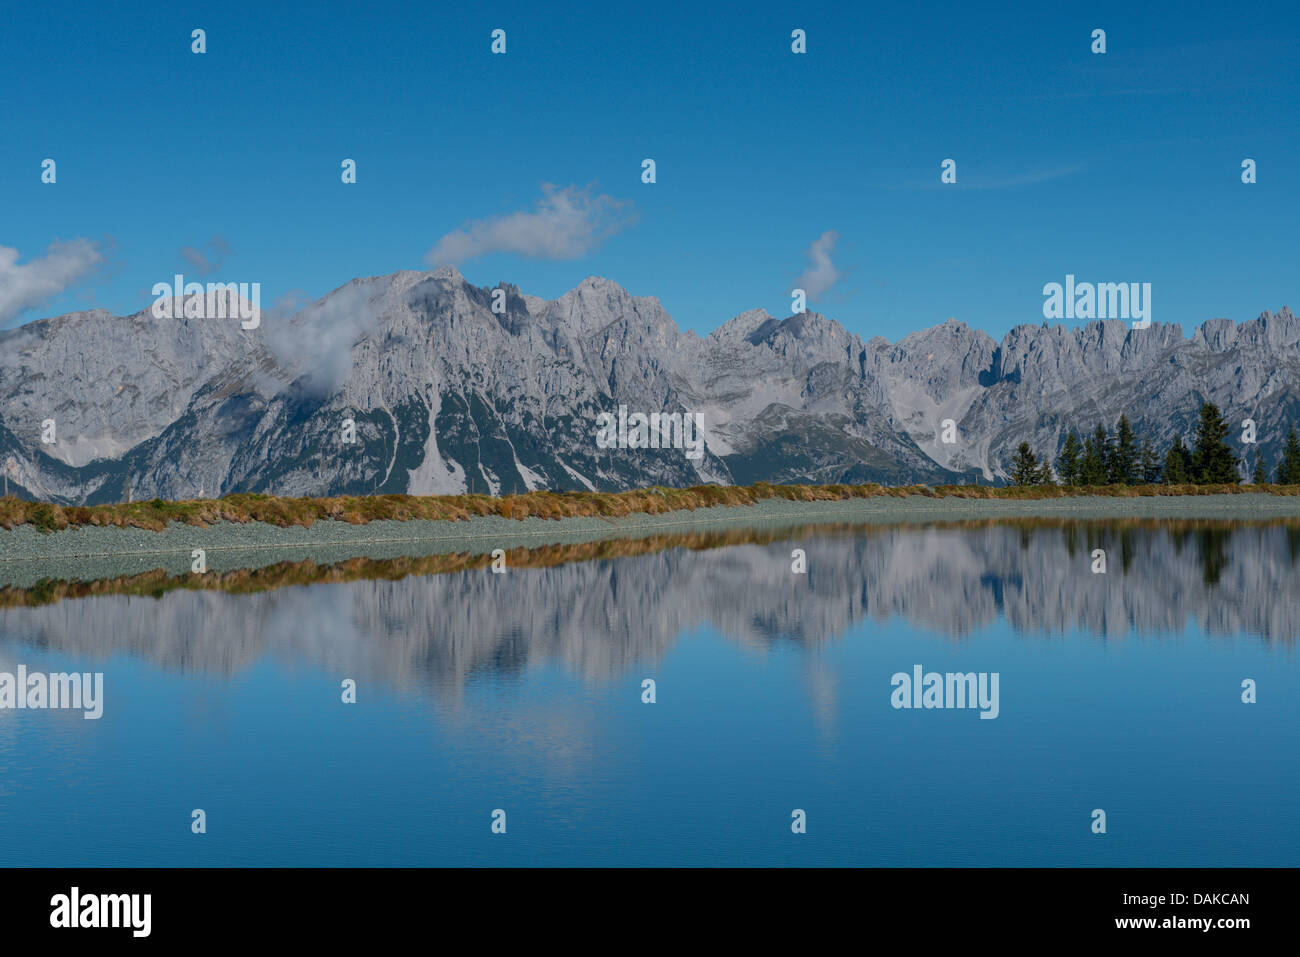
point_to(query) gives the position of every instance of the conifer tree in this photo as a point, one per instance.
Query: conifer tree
(1149, 463)
(1288, 470)
(1024, 467)
(1105, 452)
(1045, 475)
(1092, 470)
(1178, 463)
(1213, 461)
(1122, 467)
(1068, 463)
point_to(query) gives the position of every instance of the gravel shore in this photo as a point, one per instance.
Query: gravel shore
(88, 553)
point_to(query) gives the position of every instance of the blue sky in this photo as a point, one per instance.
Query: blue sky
(1124, 166)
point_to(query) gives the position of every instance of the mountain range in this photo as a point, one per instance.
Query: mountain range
(445, 394)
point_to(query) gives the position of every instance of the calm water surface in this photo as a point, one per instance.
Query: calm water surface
(523, 691)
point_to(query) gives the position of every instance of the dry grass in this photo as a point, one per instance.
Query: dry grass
(155, 515)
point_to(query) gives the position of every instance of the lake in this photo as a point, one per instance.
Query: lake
(774, 693)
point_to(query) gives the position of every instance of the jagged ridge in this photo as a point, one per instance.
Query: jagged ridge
(448, 396)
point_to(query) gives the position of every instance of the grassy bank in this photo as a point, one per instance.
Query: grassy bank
(156, 514)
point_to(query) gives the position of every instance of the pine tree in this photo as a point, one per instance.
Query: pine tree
(1024, 467)
(1149, 463)
(1178, 463)
(1288, 470)
(1105, 453)
(1213, 461)
(1092, 470)
(1122, 467)
(1261, 473)
(1068, 464)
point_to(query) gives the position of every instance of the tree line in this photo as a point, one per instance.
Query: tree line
(1123, 457)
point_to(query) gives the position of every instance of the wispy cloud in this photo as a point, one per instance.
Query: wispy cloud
(207, 259)
(1013, 181)
(1225, 68)
(1029, 177)
(821, 273)
(312, 342)
(566, 224)
(28, 285)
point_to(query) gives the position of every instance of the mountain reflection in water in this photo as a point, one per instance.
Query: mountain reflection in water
(596, 609)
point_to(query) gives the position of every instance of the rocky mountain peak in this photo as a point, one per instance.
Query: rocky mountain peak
(447, 274)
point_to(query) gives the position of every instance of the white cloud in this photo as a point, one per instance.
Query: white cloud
(821, 273)
(567, 223)
(32, 283)
(313, 342)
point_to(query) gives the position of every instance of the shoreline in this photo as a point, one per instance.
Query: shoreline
(87, 553)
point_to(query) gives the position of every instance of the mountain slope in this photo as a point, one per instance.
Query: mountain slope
(442, 394)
